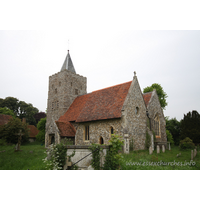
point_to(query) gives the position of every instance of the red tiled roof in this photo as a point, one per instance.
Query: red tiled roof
(66, 128)
(147, 97)
(33, 131)
(98, 105)
(4, 119)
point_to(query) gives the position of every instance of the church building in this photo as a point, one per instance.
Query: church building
(88, 118)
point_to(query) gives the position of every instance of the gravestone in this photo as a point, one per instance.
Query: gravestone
(152, 142)
(192, 155)
(163, 148)
(158, 149)
(126, 144)
(169, 146)
(150, 150)
(195, 153)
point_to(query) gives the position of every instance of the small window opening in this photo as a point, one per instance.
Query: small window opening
(101, 140)
(76, 91)
(136, 110)
(111, 130)
(87, 136)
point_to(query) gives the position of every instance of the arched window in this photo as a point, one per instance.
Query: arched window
(157, 125)
(101, 140)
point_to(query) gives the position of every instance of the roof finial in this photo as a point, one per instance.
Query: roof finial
(134, 73)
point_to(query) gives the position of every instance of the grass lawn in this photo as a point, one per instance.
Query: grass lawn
(141, 160)
(32, 154)
(29, 158)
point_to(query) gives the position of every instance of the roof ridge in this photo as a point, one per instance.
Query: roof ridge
(112, 86)
(147, 92)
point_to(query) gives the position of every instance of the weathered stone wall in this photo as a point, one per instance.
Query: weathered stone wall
(154, 109)
(134, 116)
(64, 87)
(97, 129)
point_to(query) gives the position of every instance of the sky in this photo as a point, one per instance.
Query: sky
(170, 58)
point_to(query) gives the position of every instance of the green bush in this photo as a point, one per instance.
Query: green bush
(147, 140)
(41, 137)
(56, 156)
(187, 143)
(113, 157)
(169, 137)
(96, 156)
(41, 127)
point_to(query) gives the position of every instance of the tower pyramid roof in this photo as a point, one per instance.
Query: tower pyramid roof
(68, 64)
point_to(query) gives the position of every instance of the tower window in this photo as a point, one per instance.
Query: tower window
(56, 91)
(57, 104)
(59, 83)
(76, 91)
(87, 135)
(71, 83)
(52, 105)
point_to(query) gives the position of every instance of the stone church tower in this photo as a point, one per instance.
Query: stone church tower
(64, 87)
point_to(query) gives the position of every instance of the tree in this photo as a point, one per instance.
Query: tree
(8, 131)
(173, 125)
(27, 111)
(11, 103)
(190, 126)
(20, 108)
(41, 127)
(160, 92)
(7, 111)
(39, 116)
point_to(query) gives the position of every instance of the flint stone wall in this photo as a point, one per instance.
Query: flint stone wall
(97, 129)
(64, 87)
(154, 109)
(134, 116)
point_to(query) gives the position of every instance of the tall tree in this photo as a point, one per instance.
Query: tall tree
(20, 108)
(11, 103)
(27, 111)
(190, 126)
(160, 92)
(39, 116)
